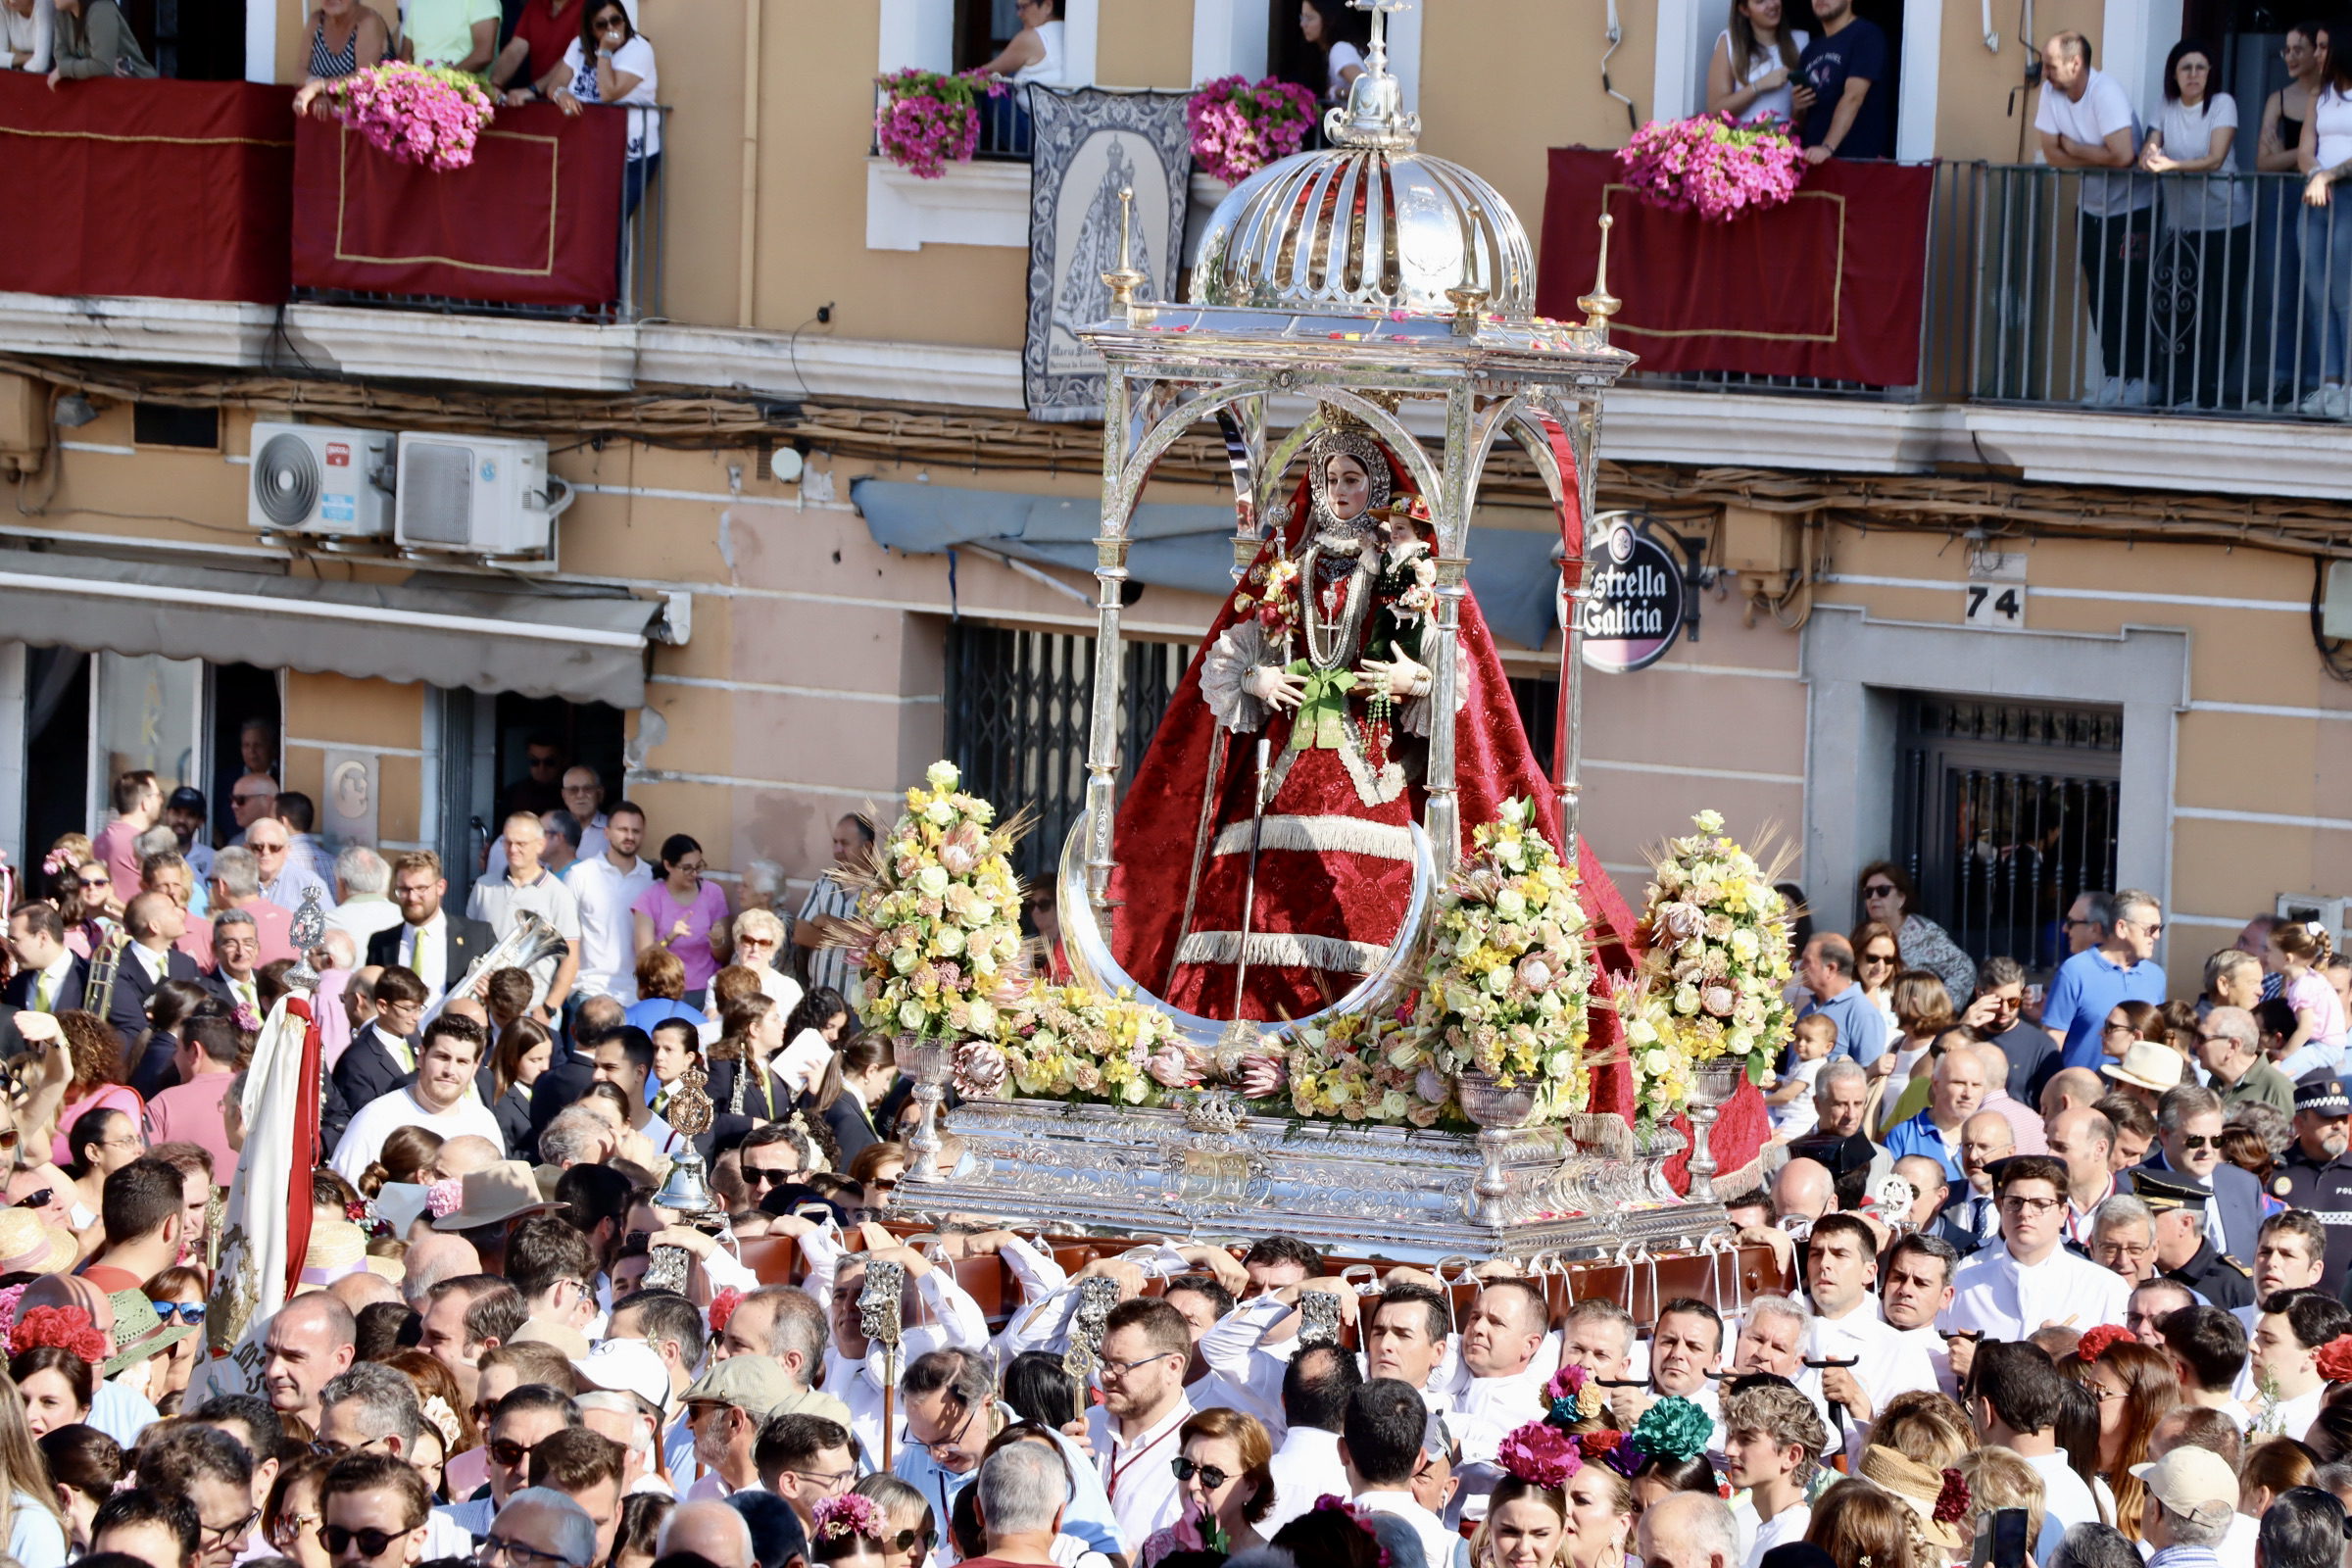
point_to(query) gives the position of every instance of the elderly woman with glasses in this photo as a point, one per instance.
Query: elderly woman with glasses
(1888, 897)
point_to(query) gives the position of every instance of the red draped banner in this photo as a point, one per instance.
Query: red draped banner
(534, 219)
(168, 189)
(1830, 284)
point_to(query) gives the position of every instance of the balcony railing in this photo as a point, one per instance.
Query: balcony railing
(1005, 127)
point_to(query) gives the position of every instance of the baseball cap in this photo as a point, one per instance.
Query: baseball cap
(186, 798)
(627, 1366)
(753, 1383)
(2195, 1482)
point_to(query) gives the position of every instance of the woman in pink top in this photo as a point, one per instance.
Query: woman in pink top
(684, 914)
(96, 1055)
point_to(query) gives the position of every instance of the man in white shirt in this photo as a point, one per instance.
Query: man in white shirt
(853, 1364)
(531, 887)
(1683, 1348)
(1843, 1255)
(1771, 1436)
(362, 893)
(2208, 1349)
(2086, 122)
(2014, 1395)
(605, 885)
(2031, 1281)
(1146, 1347)
(1500, 1377)
(284, 882)
(1315, 1389)
(1916, 1288)
(439, 1099)
(1381, 1446)
(2287, 1337)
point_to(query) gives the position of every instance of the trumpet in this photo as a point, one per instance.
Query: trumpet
(531, 940)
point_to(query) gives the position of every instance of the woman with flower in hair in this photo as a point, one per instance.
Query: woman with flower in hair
(1524, 1526)
(2137, 1388)
(848, 1529)
(1333, 1535)
(1858, 1525)
(908, 1520)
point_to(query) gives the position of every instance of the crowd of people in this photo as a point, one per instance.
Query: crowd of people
(2072, 1252)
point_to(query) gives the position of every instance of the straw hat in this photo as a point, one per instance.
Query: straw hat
(337, 1248)
(494, 1195)
(2147, 1065)
(138, 1331)
(562, 1336)
(30, 1246)
(1920, 1487)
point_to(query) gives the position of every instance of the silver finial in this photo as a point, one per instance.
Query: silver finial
(305, 931)
(1374, 115)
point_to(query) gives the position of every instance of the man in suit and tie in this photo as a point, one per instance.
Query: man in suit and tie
(49, 978)
(1972, 1217)
(2188, 1145)
(432, 943)
(236, 954)
(381, 1057)
(155, 923)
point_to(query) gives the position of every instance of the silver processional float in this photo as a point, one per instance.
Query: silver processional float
(1340, 289)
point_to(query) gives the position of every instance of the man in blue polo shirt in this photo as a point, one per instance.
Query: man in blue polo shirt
(2122, 968)
(1828, 971)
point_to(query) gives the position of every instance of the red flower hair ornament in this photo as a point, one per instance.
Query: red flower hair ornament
(2097, 1340)
(68, 1328)
(722, 1307)
(2336, 1360)
(1951, 1503)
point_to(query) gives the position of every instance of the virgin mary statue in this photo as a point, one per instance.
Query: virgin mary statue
(1322, 661)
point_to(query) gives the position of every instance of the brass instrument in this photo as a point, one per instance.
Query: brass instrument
(98, 991)
(531, 940)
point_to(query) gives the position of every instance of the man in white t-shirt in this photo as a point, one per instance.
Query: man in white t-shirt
(604, 886)
(1380, 1445)
(440, 1097)
(2014, 1399)
(531, 886)
(1847, 1327)
(2086, 122)
(1771, 1437)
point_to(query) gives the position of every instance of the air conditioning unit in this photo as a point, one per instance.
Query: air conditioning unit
(487, 497)
(325, 484)
(2333, 912)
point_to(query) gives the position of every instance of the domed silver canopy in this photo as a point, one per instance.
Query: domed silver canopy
(1368, 223)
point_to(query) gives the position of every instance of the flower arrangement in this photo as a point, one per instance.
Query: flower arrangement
(1358, 1069)
(1710, 987)
(1710, 165)
(1510, 968)
(1275, 601)
(1550, 1452)
(1239, 126)
(68, 1328)
(428, 115)
(943, 909)
(1066, 1042)
(928, 121)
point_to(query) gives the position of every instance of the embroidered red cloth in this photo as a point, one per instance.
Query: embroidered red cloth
(1830, 284)
(166, 189)
(534, 219)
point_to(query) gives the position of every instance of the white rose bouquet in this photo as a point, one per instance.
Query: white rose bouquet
(939, 916)
(1510, 969)
(1710, 987)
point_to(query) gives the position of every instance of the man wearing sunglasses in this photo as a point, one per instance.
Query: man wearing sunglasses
(2184, 1252)
(540, 1528)
(2121, 968)
(2188, 1144)
(374, 1506)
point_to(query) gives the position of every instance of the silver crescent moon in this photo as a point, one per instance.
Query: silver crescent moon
(1092, 963)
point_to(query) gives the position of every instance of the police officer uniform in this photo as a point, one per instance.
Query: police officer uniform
(2213, 1274)
(2322, 1186)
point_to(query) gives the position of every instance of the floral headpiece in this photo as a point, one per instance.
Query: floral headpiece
(247, 1021)
(2336, 1360)
(1547, 1452)
(1951, 1503)
(445, 1196)
(68, 1328)
(722, 1307)
(56, 861)
(2100, 1336)
(1359, 1517)
(444, 1419)
(849, 1514)
(9, 1300)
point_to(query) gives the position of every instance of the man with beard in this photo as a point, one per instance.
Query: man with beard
(2316, 1174)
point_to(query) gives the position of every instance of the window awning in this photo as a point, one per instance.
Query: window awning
(1188, 547)
(585, 648)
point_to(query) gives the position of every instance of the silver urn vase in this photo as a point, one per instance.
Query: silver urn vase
(930, 1063)
(1711, 1084)
(1498, 1111)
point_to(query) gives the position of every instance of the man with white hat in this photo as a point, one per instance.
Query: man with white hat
(626, 1397)
(2192, 1494)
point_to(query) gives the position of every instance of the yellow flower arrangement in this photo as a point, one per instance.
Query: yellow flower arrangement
(1718, 961)
(1510, 972)
(944, 906)
(1070, 1043)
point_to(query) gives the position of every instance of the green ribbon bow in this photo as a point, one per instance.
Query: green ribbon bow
(1323, 708)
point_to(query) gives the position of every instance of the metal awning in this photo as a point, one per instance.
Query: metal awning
(585, 648)
(1190, 547)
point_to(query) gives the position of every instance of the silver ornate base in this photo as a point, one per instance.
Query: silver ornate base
(1211, 1172)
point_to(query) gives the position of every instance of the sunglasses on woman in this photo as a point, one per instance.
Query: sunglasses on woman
(191, 1312)
(1210, 1476)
